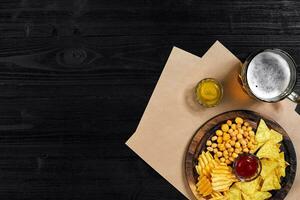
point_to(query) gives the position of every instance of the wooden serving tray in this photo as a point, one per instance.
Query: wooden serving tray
(208, 129)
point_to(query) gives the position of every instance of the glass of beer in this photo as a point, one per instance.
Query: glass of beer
(270, 75)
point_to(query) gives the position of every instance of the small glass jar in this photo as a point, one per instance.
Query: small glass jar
(209, 92)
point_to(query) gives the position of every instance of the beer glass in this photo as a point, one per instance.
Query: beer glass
(270, 75)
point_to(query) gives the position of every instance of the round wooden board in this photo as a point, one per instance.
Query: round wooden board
(207, 129)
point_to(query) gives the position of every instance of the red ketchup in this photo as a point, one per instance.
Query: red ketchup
(246, 166)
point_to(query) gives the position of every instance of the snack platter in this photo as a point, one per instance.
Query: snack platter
(223, 140)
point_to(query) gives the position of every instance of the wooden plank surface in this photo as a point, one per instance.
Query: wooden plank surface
(75, 77)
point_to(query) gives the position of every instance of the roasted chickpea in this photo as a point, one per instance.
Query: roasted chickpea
(239, 120)
(227, 145)
(251, 133)
(229, 122)
(219, 154)
(225, 127)
(225, 152)
(234, 155)
(219, 132)
(252, 147)
(237, 150)
(232, 143)
(220, 139)
(210, 149)
(216, 150)
(239, 136)
(241, 131)
(226, 137)
(221, 147)
(214, 145)
(233, 127)
(214, 138)
(243, 142)
(232, 134)
(208, 142)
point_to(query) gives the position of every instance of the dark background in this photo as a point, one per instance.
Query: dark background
(76, 76)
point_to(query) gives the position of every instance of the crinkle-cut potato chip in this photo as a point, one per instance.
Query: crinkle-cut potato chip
(267, 167)
(275, 136)
(205, 164)
(271, 182)
(268, 150)
(204, 186)
(234, 193)
(218, 196)
(222, 178)
(258, 195)
(262, 134)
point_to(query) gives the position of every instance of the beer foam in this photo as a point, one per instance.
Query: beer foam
(268, 75)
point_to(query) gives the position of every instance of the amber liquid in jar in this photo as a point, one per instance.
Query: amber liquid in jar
(209, 92)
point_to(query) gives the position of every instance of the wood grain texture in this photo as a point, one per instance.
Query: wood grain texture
(75, 78)
(208, 129)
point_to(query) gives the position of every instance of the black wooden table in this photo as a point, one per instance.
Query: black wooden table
(75, 78)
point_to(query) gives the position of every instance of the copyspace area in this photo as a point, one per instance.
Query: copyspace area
(76, 76)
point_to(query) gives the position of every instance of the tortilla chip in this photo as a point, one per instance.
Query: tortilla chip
(268, 150)
(280, 172)
(275, 136)
(246, 197)
(262, 133)
(282, 164)
(267, 167)
(250, 187)
(271, 182)
(258, 195)
(234, 193)
(238, 185)
(281, 160)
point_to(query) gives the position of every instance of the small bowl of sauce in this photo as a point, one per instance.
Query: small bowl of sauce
(247, 167)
